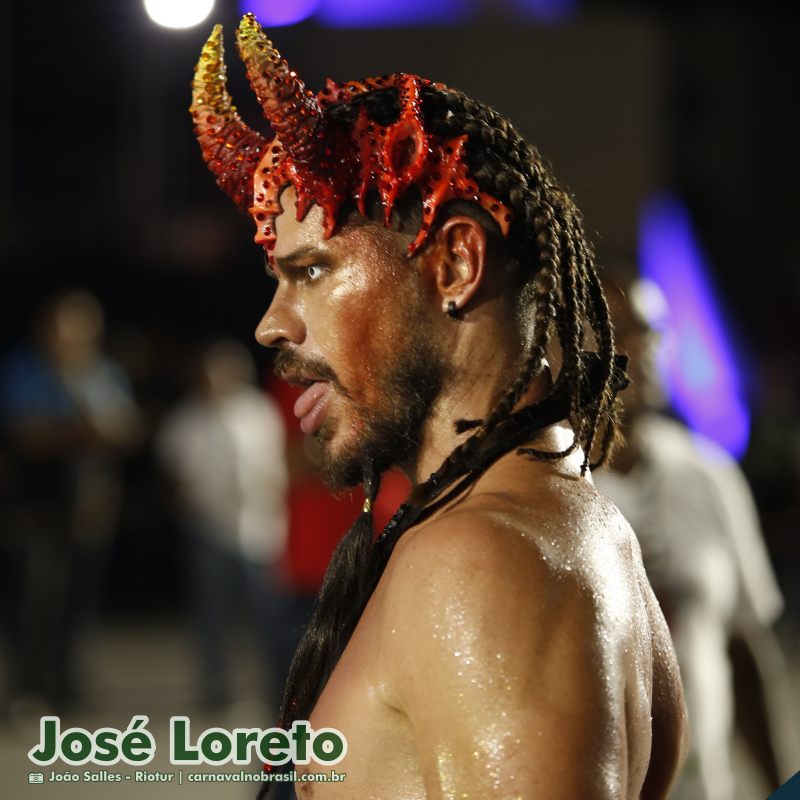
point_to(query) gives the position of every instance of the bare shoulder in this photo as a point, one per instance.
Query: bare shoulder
(566, 538)
(535, 615)
(478, 541)
(491, 590)
(477, 573)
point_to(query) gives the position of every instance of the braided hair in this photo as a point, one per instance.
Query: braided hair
(562, 298)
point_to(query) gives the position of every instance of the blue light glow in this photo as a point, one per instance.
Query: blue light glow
(274, 13)
(392, 13)
(548, 11)
(397, 13)
(702, 378)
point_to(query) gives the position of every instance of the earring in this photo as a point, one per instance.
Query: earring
(451, 309)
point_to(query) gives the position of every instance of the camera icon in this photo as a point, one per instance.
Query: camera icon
(35, 777)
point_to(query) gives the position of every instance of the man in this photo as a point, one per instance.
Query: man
(499, 638)
(704, 552)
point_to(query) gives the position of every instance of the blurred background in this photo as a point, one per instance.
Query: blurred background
(161, 535)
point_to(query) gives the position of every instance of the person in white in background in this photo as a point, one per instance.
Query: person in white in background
(703, 549)
(224, 449)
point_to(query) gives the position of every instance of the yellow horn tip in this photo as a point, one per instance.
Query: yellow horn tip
(249, 22)
(208, 87)
(213, 46)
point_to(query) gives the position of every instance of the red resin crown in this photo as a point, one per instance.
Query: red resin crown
(327, 164)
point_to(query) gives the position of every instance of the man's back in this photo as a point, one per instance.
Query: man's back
(513, 648)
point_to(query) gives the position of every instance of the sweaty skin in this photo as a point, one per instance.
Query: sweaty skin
(513, 647)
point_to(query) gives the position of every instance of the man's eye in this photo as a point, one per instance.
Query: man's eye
(314, 272)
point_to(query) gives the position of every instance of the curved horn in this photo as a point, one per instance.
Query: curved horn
(293, 111)
(231, 149)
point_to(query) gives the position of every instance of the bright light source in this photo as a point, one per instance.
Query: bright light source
(178, 13)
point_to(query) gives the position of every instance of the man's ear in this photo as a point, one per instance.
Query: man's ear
(458, 261)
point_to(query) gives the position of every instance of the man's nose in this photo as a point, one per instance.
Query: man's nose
(281, 324)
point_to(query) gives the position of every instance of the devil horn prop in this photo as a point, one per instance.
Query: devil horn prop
(230, 149)
(292, 110)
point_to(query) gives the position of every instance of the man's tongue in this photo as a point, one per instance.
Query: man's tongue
(311, 406)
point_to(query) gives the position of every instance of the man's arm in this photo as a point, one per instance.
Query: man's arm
(496, 660)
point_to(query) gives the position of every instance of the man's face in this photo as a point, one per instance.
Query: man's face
(350, 320)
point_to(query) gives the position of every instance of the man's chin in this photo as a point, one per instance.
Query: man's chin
(340, 468)
(344, 464)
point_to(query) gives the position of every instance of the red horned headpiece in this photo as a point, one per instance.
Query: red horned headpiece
(326, 163)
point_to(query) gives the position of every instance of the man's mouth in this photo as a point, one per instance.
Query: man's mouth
(312, 405)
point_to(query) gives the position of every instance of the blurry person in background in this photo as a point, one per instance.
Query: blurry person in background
(223, 448)
(68, 417)
(696, 521)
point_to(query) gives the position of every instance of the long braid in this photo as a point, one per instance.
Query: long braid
(571, 336)
(330, 624)
(547, 243)
(605, 401)
(576, 269)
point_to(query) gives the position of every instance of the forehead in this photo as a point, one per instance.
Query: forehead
(293, 235)
(355, 240)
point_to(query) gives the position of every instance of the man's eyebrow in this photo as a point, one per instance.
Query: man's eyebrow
(307, 251)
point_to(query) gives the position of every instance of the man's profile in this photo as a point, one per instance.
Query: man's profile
(499, 638)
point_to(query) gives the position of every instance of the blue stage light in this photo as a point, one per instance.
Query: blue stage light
(702, 378)
(274, 13)
(547, 11)
(392, 13)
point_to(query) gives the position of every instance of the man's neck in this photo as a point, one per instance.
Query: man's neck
(471, 399)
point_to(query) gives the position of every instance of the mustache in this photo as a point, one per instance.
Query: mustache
(288, 362)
